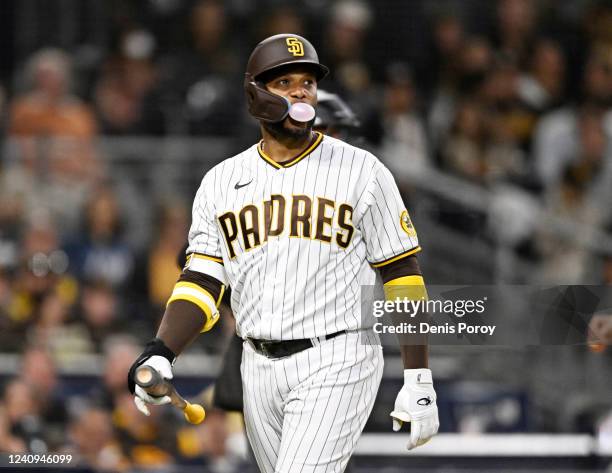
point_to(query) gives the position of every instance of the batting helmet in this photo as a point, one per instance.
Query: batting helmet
(274, 53)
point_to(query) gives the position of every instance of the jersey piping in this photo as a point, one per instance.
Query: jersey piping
(313, 145)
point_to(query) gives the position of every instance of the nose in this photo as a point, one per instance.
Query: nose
(299, 92)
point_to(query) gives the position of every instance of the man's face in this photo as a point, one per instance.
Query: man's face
(296, 85)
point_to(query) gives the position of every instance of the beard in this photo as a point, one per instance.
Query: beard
(281, 131)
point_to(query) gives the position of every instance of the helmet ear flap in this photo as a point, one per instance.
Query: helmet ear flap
(249, 82)
(264, 105)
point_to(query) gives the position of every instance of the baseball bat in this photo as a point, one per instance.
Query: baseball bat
(153, 383)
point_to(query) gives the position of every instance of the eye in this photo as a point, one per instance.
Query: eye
(283, 82)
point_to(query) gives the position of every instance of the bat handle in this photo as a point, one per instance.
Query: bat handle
(194, 413)
(151, 381)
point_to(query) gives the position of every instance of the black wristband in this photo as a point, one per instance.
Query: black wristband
(158, 347)
(155, 347)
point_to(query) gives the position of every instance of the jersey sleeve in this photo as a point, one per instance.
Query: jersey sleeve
(204, 238)
(385, 223)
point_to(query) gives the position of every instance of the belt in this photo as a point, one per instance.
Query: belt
(272, 349)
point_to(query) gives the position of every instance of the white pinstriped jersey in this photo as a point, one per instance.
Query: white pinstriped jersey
(298, 240)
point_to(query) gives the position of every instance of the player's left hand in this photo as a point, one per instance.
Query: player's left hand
(416, 403)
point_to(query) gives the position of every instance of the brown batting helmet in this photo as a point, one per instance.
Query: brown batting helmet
(274, 53)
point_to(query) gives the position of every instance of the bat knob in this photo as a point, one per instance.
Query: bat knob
(194, 413)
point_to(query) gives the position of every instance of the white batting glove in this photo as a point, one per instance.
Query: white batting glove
(416, 403)
(141, 397)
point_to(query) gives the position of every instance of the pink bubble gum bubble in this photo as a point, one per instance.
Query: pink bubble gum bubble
(301, 112)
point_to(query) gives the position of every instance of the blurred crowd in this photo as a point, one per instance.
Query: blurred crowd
(505, 94)
(102, 429)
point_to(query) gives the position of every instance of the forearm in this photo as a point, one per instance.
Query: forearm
(180, 325)
(403, 280)
(415, 356)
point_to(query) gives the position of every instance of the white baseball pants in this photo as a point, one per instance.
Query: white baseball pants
(304, 413)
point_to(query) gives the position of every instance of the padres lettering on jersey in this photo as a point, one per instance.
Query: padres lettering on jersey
(305, 217)
(299, 240)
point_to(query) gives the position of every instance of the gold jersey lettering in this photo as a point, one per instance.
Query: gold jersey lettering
(297, 216)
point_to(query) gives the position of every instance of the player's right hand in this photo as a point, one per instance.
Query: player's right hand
(159, 357)
(416, 404)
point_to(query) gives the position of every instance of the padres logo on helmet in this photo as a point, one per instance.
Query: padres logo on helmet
(406, 224)
(295, 46)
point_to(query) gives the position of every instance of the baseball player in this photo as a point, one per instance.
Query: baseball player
(295, 225)
(334, 117)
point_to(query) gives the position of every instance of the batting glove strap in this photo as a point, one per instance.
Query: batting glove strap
(155, 347)
(416, 403)
(421, 376)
